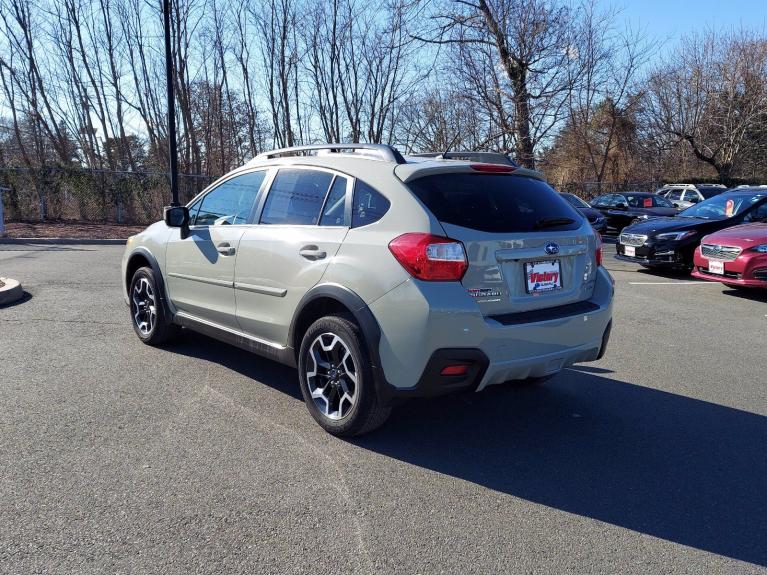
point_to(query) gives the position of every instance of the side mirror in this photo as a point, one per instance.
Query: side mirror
(177, 217)
(621, 206)
(676, 205)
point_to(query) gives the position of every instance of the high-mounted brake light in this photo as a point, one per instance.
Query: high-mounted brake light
(599, 248)
(492, 168)
(429, 257)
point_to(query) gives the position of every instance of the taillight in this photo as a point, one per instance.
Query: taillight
(599, 249)
(430, 258)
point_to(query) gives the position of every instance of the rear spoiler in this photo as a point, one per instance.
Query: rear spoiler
(413, 171)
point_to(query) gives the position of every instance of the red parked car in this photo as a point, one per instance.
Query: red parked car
(735, 256)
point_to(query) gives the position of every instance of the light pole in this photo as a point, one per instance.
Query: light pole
(172, 152)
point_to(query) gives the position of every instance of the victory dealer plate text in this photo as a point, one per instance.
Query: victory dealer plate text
(543, 276)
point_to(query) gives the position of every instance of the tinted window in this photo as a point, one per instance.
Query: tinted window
(296, 197)
(600, 201)
(759, 214)
(691, 196)
(334, 213)
(228, 203)
(575, 201)
(368, 205)
(722, 206)
(647, 201)
(674, 195)
(711, 192)
(494, 202)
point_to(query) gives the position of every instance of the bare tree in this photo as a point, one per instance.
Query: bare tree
(711, 94)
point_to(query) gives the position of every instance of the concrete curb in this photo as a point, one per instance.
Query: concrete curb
(63, 241)
(10, 292)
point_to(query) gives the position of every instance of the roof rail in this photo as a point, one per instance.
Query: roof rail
(383, 151)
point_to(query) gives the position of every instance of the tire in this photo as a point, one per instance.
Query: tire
(332, 356)
(148, 315)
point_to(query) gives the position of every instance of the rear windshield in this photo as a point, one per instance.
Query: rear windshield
(497, 203)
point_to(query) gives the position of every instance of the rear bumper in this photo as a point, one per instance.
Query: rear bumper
(420, 323)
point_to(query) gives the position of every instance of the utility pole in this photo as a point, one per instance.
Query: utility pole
(172, 152)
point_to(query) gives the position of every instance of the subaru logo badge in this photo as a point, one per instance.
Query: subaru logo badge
(552, 248)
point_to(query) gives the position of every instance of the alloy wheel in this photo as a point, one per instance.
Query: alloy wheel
(144, 306)
(331, 376)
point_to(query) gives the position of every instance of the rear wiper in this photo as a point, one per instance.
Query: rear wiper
(552, 222)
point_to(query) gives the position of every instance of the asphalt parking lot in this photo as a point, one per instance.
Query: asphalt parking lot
(199, 458)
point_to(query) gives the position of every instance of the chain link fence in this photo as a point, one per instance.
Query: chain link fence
(50, 194)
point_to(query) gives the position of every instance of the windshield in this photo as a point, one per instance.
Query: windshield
(575, 201)
(722, 206)
(647, 201)
(495, 203)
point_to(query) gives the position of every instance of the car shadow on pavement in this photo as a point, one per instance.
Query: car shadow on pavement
(271, 373)
(672, 274)
(681, 469)
(753, 294)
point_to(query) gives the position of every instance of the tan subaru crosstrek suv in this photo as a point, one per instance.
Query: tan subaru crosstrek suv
(379, 277)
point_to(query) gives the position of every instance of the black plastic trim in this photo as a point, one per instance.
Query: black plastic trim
(362, 315)
(158, 278)
(545, 314)
(605, 340)
(432, 383)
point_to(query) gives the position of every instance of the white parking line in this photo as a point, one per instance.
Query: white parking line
(681, 283)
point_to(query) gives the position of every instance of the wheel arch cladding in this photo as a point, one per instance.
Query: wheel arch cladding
(142, 257)
(330, 299)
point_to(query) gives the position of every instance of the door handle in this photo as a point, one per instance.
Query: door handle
(311, 253)
(225, 249)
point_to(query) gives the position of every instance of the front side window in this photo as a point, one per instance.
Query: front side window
(229, 203)
(674, 195)
(296, 197)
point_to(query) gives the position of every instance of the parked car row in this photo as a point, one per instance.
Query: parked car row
(722, 238)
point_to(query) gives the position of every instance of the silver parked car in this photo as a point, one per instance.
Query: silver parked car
(378, 277)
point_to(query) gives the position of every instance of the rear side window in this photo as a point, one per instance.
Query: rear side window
(494, 202)
(296, 197)
(368, 205)
(229, 203)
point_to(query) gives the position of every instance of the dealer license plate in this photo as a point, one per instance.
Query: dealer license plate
(630, 251)
(715, 267)
(543, 276)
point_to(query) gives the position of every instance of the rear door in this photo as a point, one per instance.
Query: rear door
(527, 248)
(302, 222)
(200, 267)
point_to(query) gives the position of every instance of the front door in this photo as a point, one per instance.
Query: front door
(303, 222)
(200, 268)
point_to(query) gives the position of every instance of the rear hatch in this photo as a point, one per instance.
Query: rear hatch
(527, 248)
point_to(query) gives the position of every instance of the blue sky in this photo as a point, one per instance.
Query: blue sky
(667, 20)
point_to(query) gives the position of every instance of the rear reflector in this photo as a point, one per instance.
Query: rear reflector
(429, 257)
(456, 369)
(492, 168)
